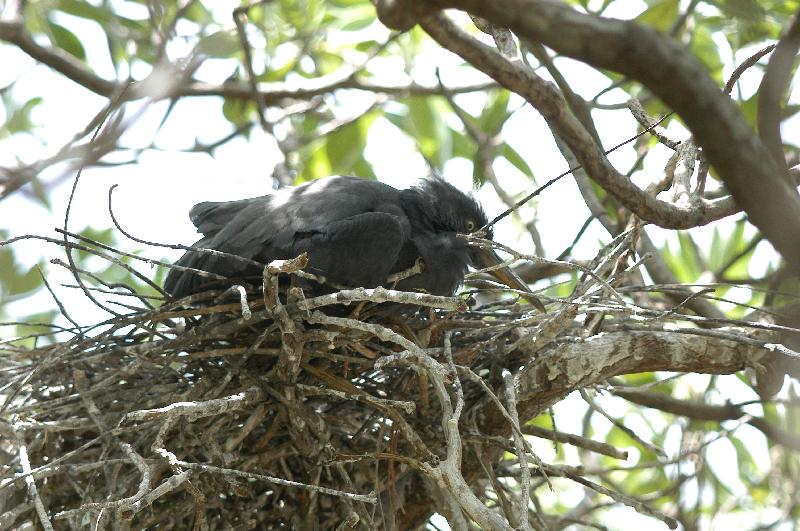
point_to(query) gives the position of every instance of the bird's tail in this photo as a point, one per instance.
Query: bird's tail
(180, 283)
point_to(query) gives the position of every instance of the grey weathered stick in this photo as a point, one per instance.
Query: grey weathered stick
(379, 295)
(33, 492)
(200, 467)
(525, 493)
(196, 410)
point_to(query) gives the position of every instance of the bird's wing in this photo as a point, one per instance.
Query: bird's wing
(266, 228)
(210, 217)
(280, 225)
(360, 250)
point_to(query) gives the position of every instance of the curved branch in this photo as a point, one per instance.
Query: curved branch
(674, 75)
(67, 65)
(550, 103)
(401, 15)
(577, 365)
(701, 411)
(57, 59)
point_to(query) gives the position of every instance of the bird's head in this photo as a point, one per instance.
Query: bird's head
(445, 209)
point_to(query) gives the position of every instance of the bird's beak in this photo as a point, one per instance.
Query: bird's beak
(488, 258)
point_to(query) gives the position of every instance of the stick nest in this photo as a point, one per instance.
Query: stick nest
(284, 412)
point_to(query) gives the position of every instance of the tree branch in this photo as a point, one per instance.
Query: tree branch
(554, 373)
(698, 410)
(549, 102)
(577, 365)
(75, 70)
(57, 59)
(680, 80)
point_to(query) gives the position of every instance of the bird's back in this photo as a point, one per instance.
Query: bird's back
(267, 228)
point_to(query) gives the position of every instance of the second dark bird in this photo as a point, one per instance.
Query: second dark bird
(356, 233)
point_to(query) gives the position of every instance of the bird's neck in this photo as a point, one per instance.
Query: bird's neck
(418, 209)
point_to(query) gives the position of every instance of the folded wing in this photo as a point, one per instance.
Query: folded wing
(353, 230)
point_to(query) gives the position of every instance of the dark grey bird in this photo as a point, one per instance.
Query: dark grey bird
(356, 232)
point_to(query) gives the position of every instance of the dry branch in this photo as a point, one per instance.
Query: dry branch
(675, 76)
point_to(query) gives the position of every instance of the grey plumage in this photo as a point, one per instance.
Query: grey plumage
(356, 233)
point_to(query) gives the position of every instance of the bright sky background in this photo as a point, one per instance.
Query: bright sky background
(155, 195)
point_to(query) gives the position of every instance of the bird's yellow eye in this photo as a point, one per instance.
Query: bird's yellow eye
(471, 226)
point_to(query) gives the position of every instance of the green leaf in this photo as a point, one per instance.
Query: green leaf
(735, 242)
(423, 123)
(315, 163)
(40, 191)
(349, 3)
(198, 13)
(683, 263)
(238, 112)
(221, 44)
(640, 378)
(716, 256)
(46, 331)
(660, 15)
(26, 282)
(512, 156)
(302, 15)
(747, 22)
(67, 41)
(20, 120)
(749, 109)
(359, 23)
(278, 73)
(104, 236)
(327, 62)
(789, 291)
(431, 132)
(705, 49)
(366, 46)
(744, 460)
(345, 147)
(789, 111)
(14, 279)
(748, 10)
(478, 175)
(689, 255)
(563, 288)
(463, 146)
(100, 14)
(495, 112)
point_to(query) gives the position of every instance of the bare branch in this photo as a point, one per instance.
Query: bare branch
(33, 492)
(749, 171)
(548, 101)
(62, 62)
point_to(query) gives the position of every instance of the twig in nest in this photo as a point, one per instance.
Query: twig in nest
(367, 498)
(33, 492)
(378, 295)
